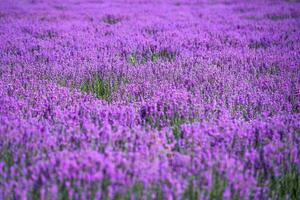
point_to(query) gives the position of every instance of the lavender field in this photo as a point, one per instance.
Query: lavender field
(140, 99)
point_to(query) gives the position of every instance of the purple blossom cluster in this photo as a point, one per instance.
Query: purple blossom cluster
(138, 99)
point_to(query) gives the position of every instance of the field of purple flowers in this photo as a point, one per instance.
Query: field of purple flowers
(140, 99)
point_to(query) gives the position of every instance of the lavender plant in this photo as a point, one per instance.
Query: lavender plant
(193, 99)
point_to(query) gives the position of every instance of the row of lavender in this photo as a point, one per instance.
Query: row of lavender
(135, 99)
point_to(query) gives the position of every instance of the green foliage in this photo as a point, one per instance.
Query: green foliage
(240, 110)
(144, 57)
(176, 122)
(132, 59)
(154, 57)
(218, 187)
(276, 17)
(135, 192)
(258, 45)
(100, 88)
(111, 19)
(35, 194)
(166, 55)
(63, 192)
(286, 185)
(7, 156)
(104, 188)
(155, 191)
(293, 100)
(176, 132)
(138, 191)
(191, 192)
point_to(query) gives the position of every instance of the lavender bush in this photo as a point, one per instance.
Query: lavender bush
(137, 99)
